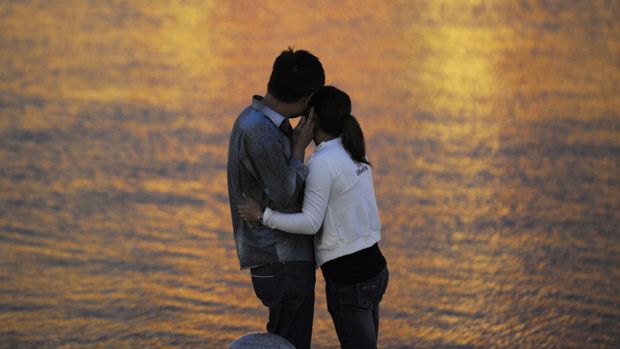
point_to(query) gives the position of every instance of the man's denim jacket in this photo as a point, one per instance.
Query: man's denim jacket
(260, 166)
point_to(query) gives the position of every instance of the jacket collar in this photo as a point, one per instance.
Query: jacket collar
(274, 116)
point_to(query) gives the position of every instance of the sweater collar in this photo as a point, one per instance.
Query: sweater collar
(330, 143)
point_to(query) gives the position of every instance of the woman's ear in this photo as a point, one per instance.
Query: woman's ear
(312, 115)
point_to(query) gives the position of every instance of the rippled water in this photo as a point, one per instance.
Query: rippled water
(493, 127)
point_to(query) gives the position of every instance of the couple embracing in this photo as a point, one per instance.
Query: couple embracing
(289, 217)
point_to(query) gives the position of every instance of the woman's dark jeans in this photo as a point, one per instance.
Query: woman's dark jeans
(355, 310)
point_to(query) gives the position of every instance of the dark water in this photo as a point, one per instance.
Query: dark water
(493, 127)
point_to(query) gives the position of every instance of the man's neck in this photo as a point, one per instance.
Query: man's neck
(276, 105)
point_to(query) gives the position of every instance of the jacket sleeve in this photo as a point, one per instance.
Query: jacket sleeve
(283, 179)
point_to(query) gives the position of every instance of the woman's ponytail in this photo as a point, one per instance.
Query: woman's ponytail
(353, 139)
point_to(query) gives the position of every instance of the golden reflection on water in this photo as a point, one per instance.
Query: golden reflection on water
(493, 127)
(113, 51)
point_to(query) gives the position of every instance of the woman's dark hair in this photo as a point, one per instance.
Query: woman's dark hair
(332, 108)
(295, 74)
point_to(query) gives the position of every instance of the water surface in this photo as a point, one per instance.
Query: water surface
(493, 127)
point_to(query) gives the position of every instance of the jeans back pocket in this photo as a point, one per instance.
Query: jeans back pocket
(368, 293)
(265, 288)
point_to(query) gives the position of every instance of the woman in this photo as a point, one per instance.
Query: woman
(340, 208)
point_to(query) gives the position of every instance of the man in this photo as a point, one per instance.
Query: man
(265, 162)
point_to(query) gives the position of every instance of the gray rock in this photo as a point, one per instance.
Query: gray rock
(261, 340)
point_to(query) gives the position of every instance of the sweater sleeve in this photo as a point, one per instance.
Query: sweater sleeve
(316, 198)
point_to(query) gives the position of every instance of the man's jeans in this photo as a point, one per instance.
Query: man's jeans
(288, 290)
(355, 310)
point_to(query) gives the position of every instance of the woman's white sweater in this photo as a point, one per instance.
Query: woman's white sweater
(339, 197)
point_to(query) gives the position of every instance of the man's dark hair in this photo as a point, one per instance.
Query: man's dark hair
(295, 74)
